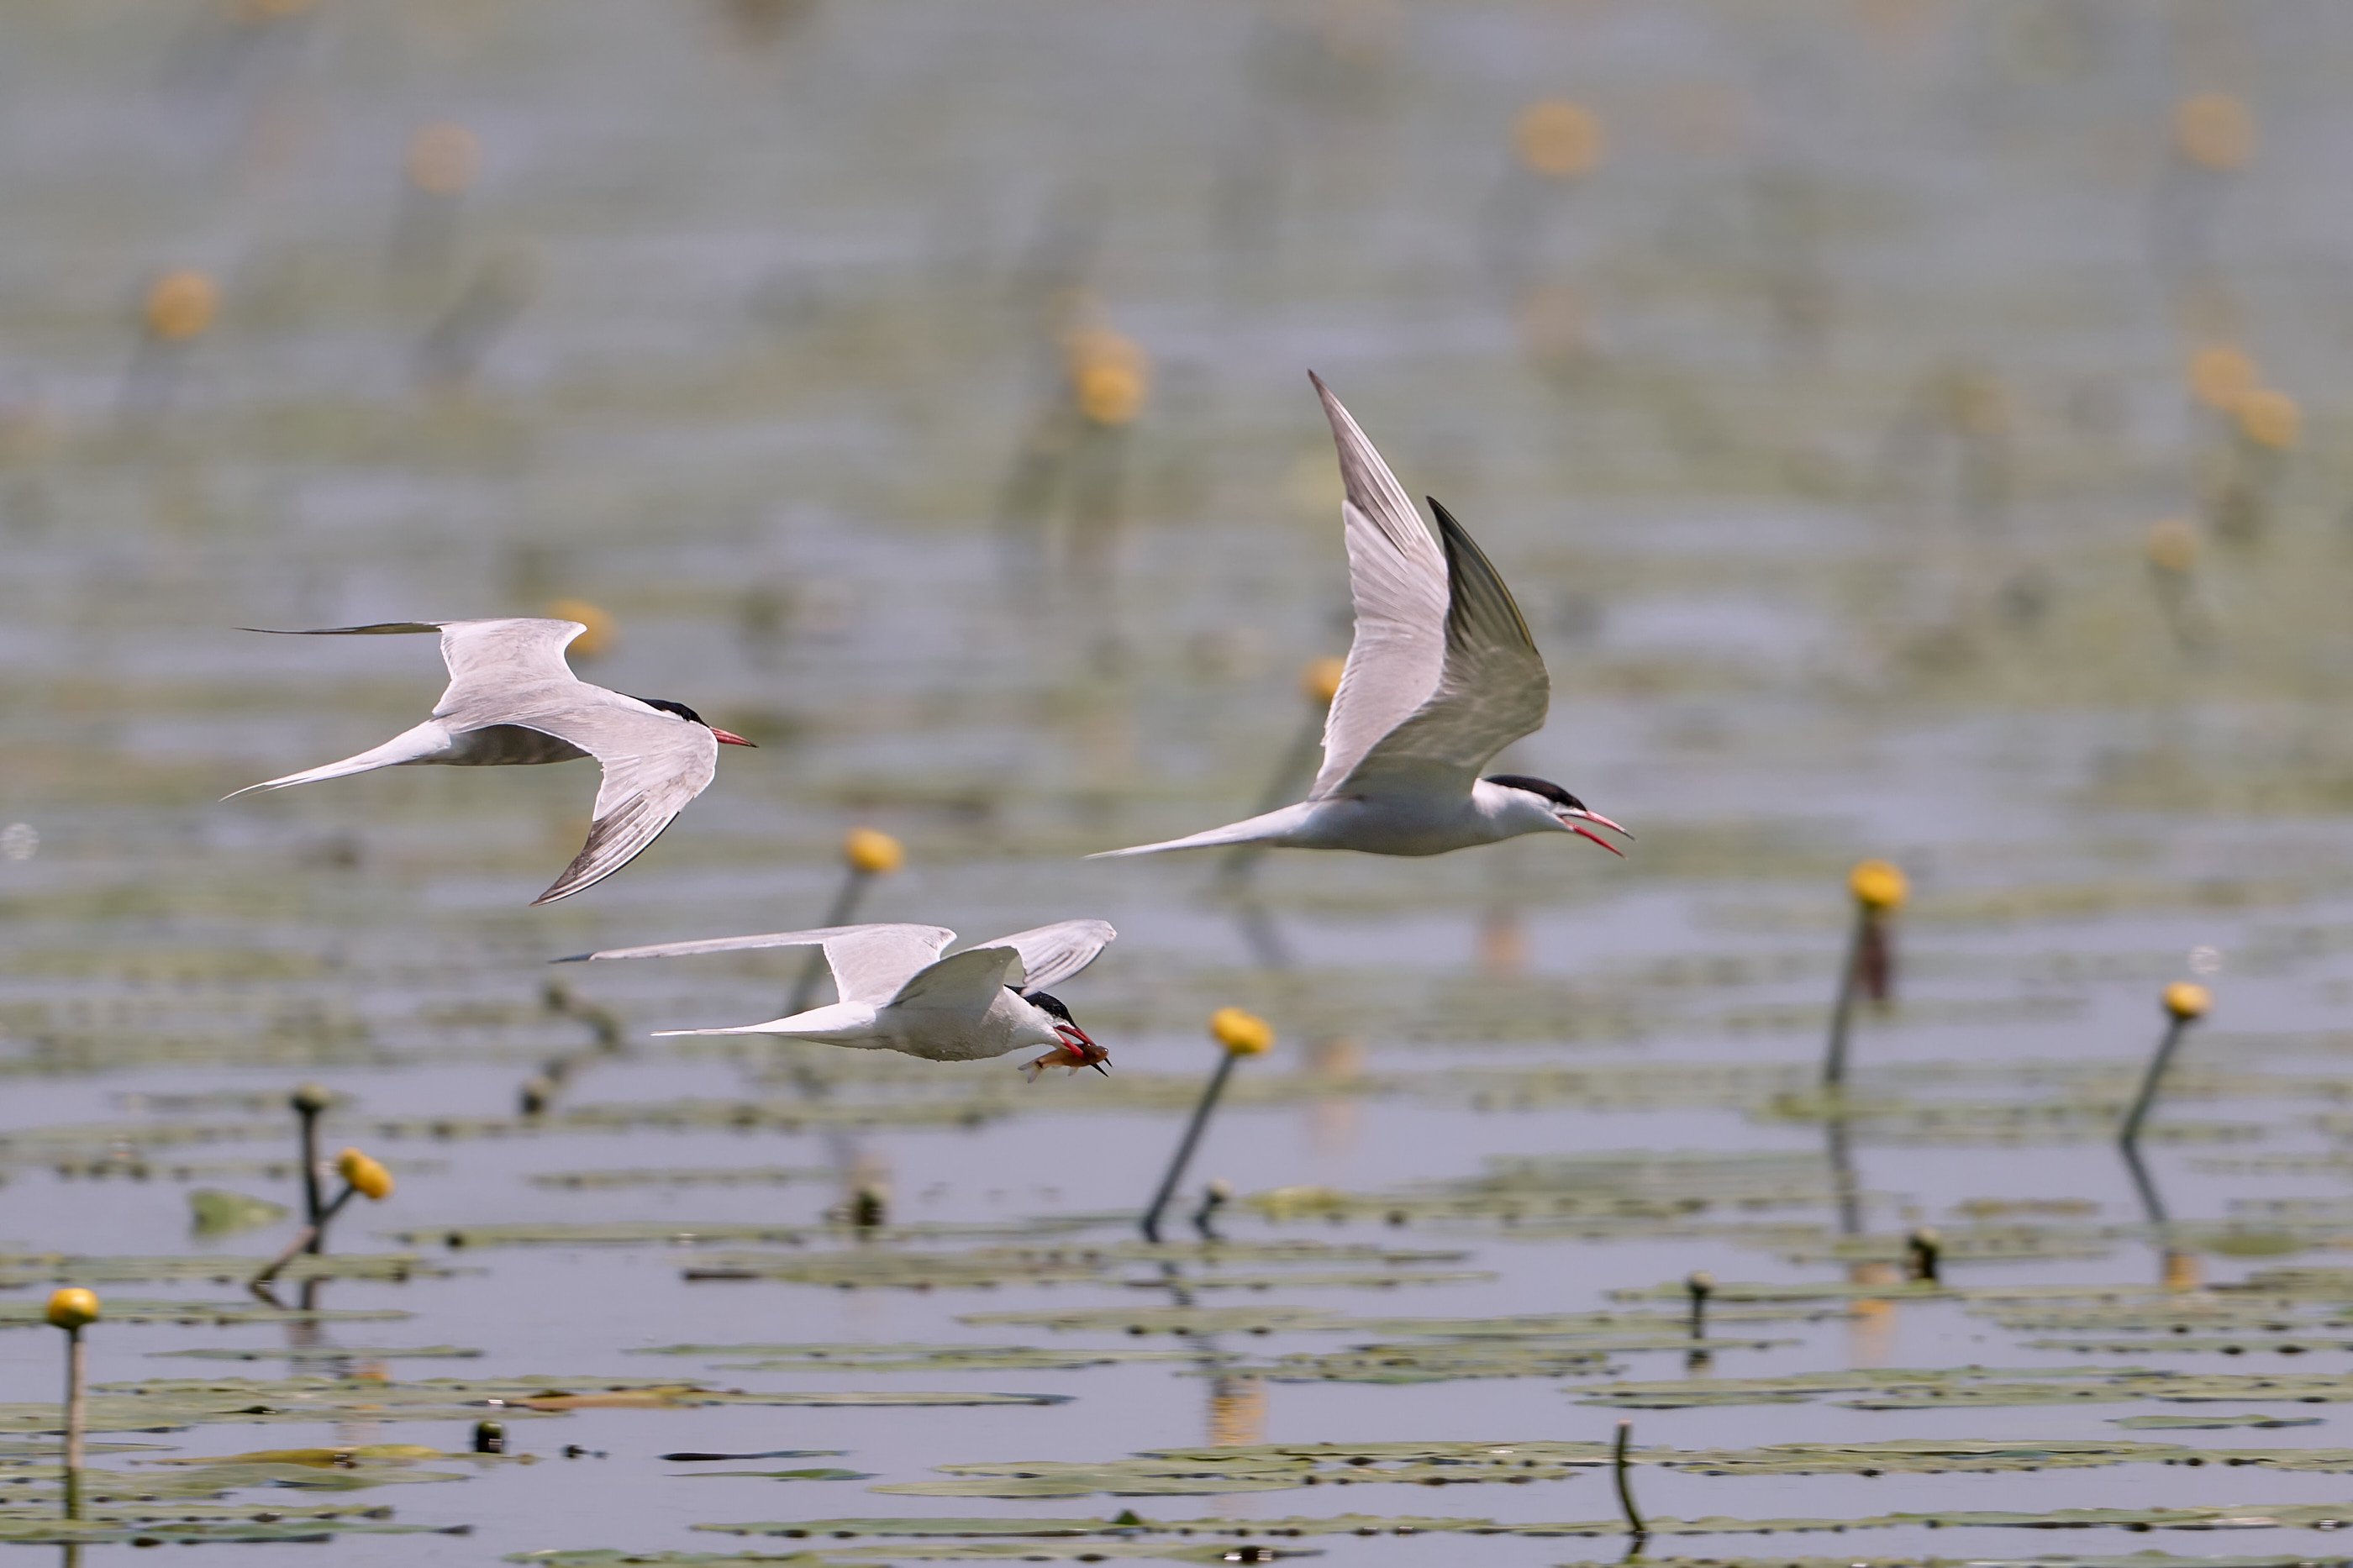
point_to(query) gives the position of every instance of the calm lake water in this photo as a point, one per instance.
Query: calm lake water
(1818, 405)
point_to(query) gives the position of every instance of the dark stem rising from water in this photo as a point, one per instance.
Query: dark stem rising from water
(2149, 1081)
(1217, 1086)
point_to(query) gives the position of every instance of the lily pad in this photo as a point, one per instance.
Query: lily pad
(1170, 1319)
(685, 1177)
(1444, 1360)
(217, 1314)
(2211, 1423)
(1937, 1388)
(914, 1358)
(165, 1403)
(219, 1213)
(318, 1353)
(50, 1268)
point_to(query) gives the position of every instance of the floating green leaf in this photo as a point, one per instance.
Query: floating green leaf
(1156, 1320)
(219, 1213)
(2210, 1423)
(685, 1177)
(21, 1268)
(318, 1353)
(815, 1475)
(217, 1314)
(915, 1358)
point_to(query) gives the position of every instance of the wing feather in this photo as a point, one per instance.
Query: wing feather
(1398, 579)
(654, 763)
(870, 962)
(1492, 689)
(1050, 954)
(968, 983)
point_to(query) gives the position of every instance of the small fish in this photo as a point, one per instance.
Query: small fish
(1072, 1055)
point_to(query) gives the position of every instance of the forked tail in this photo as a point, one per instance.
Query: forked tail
(422, 743)
(1274, 827)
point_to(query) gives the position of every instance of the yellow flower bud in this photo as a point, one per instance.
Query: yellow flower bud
(1877, 885)
(872, 852)
(2220, 375)
(1110, 394)
(2173, 545)
(180, 305)
(1242, 1034)
(443, 159)
(2269, 419)
(374, 1182)
(73, 1308)
(1111, 375)
(1559, 139)
(601, 628)
(1321, 679)
(2185, 1000)
(2214, 130)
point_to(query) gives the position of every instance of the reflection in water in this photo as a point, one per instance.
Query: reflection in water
(1237, 1404)
(1842, 1179)
(1700, 1285)
(866, 1181)
(1334, 1120)
(1237, 1412)
(2178, 1269)
(1502, 942)
(1215, 1194)
(1870, 1336)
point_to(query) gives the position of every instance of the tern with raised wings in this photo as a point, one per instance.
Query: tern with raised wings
(1441, 676)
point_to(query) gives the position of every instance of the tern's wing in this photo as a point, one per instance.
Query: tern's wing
(1493, 689)
(1398, 580)
(654, 763)
(496, 667)
(501, 670)
(967, 984)
(870, 962)
(1050, 954)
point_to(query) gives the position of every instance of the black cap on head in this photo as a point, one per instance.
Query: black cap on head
(1545, 787)
(1050, 1005)
(680, 709)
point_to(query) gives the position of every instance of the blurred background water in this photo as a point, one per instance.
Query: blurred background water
(1913, 429)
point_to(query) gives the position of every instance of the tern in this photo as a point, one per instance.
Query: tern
(897, 993)
(513, 701)
(1441, 676)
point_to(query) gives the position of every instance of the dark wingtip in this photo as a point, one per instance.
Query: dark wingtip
(380, 628)
(573, 958)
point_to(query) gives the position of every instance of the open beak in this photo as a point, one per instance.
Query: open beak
(726, 739)
(1594, 816)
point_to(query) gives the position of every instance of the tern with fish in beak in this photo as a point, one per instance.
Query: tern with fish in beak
(1441, 676)
(897, 993)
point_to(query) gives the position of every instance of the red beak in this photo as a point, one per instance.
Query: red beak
(1088, 1053)
(1586, 833)
(1596, 839)
(725, 739)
